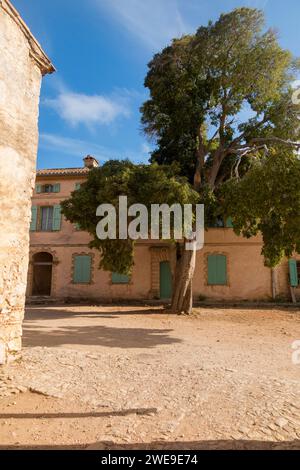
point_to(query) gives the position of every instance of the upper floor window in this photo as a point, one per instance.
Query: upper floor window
(220, 222)
(47, 188)
(46, 219)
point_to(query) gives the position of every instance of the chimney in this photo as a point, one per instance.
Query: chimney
(90, 162)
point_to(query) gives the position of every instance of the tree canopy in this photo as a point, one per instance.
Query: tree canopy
(220, 95)
(220, 103)
(267, 201)
(142, 184)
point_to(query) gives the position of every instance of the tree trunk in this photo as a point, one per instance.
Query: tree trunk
(182, 301)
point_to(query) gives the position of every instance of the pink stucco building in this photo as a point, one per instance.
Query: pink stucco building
(62, 265)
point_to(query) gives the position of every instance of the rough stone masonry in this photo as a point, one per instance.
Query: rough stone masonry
(22, 65)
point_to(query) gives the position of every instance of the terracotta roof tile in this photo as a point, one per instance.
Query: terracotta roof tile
(63, 172)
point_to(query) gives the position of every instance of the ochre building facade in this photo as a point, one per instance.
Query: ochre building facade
(62, 265)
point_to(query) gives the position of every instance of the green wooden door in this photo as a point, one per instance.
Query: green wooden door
(165, 280)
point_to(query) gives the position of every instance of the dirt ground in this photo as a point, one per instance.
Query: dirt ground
(136, 378)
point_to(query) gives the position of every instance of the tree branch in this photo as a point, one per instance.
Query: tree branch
(265, 140)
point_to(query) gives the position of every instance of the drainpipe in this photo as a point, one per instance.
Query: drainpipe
(274, 283)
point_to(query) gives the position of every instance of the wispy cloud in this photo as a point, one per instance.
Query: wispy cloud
(90, 110)
(155, 22)
(76, 148)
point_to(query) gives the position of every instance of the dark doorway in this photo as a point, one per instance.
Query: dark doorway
(42, 274)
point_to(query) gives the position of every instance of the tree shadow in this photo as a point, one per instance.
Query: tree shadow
(102, 414)
(57, 313)
(97, 335)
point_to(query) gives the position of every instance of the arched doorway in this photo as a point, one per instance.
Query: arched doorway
(165, 280)
(42, 274)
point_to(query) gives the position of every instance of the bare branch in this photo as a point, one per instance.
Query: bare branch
(265, 140)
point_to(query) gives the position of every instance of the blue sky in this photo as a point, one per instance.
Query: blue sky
(101, 49)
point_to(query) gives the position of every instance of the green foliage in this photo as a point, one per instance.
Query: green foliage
(221, 106)
(229, 80)
(142, 184)
(267, 201)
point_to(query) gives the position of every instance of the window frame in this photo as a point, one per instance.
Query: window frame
(40, 224)
(120, 283)
(217, 284)
(81, 255)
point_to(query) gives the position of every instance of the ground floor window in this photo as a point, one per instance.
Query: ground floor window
(120, 278)
(217, 270)
(82, 273)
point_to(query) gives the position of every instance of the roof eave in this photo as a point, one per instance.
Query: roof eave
(36, 52)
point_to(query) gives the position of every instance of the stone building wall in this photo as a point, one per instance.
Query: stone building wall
(22, 64)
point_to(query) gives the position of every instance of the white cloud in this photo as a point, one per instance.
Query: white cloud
(79, 148)
(155, 22)
(90, 110)
(74, 147)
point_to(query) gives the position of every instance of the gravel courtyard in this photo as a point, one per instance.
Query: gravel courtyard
(135, 377)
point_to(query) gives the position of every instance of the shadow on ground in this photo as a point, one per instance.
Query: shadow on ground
(57, 313)
(39, 330)
(97, 336)
(176, 445)
(103, 414)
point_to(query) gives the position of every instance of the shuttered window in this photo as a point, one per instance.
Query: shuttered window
(120, 278)
(229, 223)
(34, 215)
(56, 218)
(82, 269)
(47, 188)
(294, 280)
(217, 270)
(46, 219)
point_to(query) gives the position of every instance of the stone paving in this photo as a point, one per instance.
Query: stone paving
(180, 390)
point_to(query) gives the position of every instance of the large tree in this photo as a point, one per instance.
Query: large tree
(142, 184)
(220, 100)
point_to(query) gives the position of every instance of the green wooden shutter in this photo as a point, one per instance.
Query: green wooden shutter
(217, 270)
(82, 269)
(293, 273)
(56, 188)
(38, 188)
(165, 281)
(77, 227)
(77, 186)
(56, 218)
(120, 278)
(229, 223)
(34, 216)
